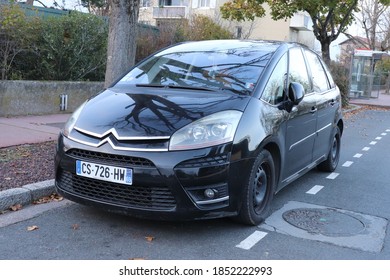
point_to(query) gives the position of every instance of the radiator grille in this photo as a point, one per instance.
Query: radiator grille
(109, 158)
(152, 198)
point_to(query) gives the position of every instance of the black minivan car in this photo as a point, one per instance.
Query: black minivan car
(203, 130)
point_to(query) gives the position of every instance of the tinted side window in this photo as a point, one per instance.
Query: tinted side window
(297, 69)
(320, 81)
(274, 90)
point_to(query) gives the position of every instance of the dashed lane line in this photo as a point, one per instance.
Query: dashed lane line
(332, 175)
(348, 163)
(255, 237)
(314, 190)
(251, 240)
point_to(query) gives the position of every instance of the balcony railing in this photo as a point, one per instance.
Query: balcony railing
(169, 12)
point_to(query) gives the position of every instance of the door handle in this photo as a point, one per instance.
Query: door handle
(332, 102)
(313, 110)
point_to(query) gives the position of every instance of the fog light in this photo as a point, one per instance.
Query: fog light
(210, 193)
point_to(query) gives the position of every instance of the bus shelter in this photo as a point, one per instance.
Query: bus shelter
(367, 80)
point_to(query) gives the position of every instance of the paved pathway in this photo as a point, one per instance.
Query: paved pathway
(30, 129)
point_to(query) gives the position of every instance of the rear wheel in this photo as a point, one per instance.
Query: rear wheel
(258, 191)
(330, 164)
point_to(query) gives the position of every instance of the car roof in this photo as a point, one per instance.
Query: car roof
(226, 45)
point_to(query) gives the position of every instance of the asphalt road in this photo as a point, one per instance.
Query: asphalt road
(343, 215)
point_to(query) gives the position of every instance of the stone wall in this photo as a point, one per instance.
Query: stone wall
(18, 98)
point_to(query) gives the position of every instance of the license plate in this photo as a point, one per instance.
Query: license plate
(104, 172)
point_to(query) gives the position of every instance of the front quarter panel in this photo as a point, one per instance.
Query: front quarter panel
(260, 125)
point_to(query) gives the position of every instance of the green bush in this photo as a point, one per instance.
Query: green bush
(72, 47)
(18, 35)
(341, 77)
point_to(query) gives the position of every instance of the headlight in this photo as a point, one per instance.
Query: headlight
(212, 130)
(72, 120)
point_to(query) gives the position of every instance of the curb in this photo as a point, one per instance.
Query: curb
(353, 108)
(26, 194)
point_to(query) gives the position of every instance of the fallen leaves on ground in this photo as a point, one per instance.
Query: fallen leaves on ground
(16, 207)
(75, 226)
(26, 164)
(50, 198)
(149, 238)
(32, 228)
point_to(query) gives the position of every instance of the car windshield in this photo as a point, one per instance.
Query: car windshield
(201, 65)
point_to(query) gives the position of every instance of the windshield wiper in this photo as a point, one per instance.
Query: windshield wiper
(150, 85)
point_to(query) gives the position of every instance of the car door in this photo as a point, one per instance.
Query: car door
(327, 104)
(302, 121)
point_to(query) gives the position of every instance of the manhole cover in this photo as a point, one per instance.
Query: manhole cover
(325, 221)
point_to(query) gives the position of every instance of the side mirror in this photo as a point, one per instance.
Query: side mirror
(296, 92)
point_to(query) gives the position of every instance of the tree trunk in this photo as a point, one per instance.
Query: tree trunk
(325, 46)
(122, 36)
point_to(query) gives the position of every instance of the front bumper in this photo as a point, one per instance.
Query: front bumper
(166, 185)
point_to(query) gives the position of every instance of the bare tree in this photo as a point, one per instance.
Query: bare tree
(122, 36)
(385, 44)
(373, 18)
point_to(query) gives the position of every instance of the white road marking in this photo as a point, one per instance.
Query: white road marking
(348, 163)
(333, 175)
(315, 189)
(373, 142)
(378, 138)
(366, 149)
(387, 130)
(384, 134)
(358, 156)
(251, 240)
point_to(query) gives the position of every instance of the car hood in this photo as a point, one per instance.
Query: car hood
(152, 113)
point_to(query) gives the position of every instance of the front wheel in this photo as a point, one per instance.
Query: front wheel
(330, 164)
(258, 191)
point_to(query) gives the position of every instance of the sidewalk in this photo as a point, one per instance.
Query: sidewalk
(30, 129)
(383, 100)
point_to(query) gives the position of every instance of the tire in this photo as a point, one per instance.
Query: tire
(258, 191)
(330, 164)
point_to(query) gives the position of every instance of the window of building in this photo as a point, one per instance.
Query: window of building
(145, 3)
(204, 3)
(162, 3)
